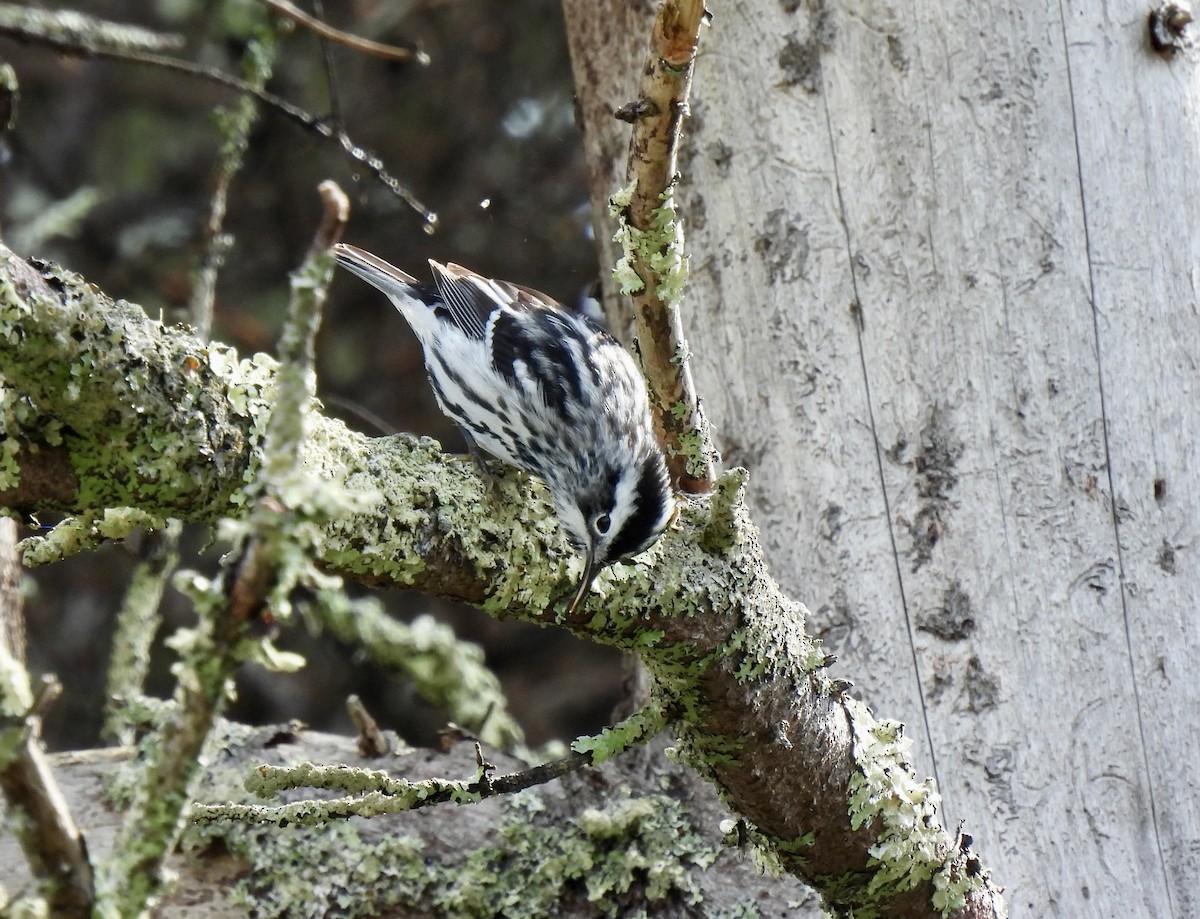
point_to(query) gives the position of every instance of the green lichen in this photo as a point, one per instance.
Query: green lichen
(26, 907)
(10, 469)
(635, 729)
(659, 247)
(911, 846)
(16, 695)
(618, 206)
(762, 850)
(22, 424)
(722, 531)
(631, 850)
(324, 872)
(78, 534)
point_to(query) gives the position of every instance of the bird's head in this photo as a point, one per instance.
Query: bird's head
(617, 514)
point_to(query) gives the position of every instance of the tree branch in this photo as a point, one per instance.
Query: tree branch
(80, 33)
(653, 268)
(172, 427)
(262, 565)
(36, 810)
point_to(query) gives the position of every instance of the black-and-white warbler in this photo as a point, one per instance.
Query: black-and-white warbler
(545, 390)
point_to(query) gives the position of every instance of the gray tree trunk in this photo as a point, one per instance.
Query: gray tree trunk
(943, 307)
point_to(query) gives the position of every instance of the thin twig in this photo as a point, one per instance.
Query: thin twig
(354, 42)
(320, 126)
(335, 214)
(372, 742)
(327, 61)
(374, 792)
(654, 267)
(37, 812)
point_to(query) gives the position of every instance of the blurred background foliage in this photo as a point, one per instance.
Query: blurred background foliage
(109, 170)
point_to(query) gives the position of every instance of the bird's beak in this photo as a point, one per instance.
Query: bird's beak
(589, 574)
(373, 269)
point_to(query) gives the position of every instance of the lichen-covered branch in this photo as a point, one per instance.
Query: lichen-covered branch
(137, 621)
(173, 427)
(653, 267)
(37, 813)
(372, 792)
(265, 564)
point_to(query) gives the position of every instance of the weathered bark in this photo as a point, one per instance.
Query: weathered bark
(943, 308)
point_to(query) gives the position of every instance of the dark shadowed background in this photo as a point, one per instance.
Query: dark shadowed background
(485, 136)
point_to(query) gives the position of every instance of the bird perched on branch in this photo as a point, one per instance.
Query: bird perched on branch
(532, 384)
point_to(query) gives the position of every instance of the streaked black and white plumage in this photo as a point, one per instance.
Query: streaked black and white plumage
(545, 390)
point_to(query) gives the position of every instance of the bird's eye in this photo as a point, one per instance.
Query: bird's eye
(602, 523)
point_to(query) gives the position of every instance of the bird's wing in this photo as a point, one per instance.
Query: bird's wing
(470, 297)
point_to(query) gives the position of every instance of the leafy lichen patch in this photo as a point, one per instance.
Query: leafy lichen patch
(911, 847)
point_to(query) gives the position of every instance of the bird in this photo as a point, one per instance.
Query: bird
(533, 384)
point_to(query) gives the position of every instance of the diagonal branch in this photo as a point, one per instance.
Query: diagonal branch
(653, 268)
(18, 27)
(47, 832)
(354, 42)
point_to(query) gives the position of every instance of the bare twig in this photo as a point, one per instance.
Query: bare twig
(654, 267)
(372, 741)
(327, 61)
(47, 833)
(335, 214)
(305, 119)
(353, 42)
